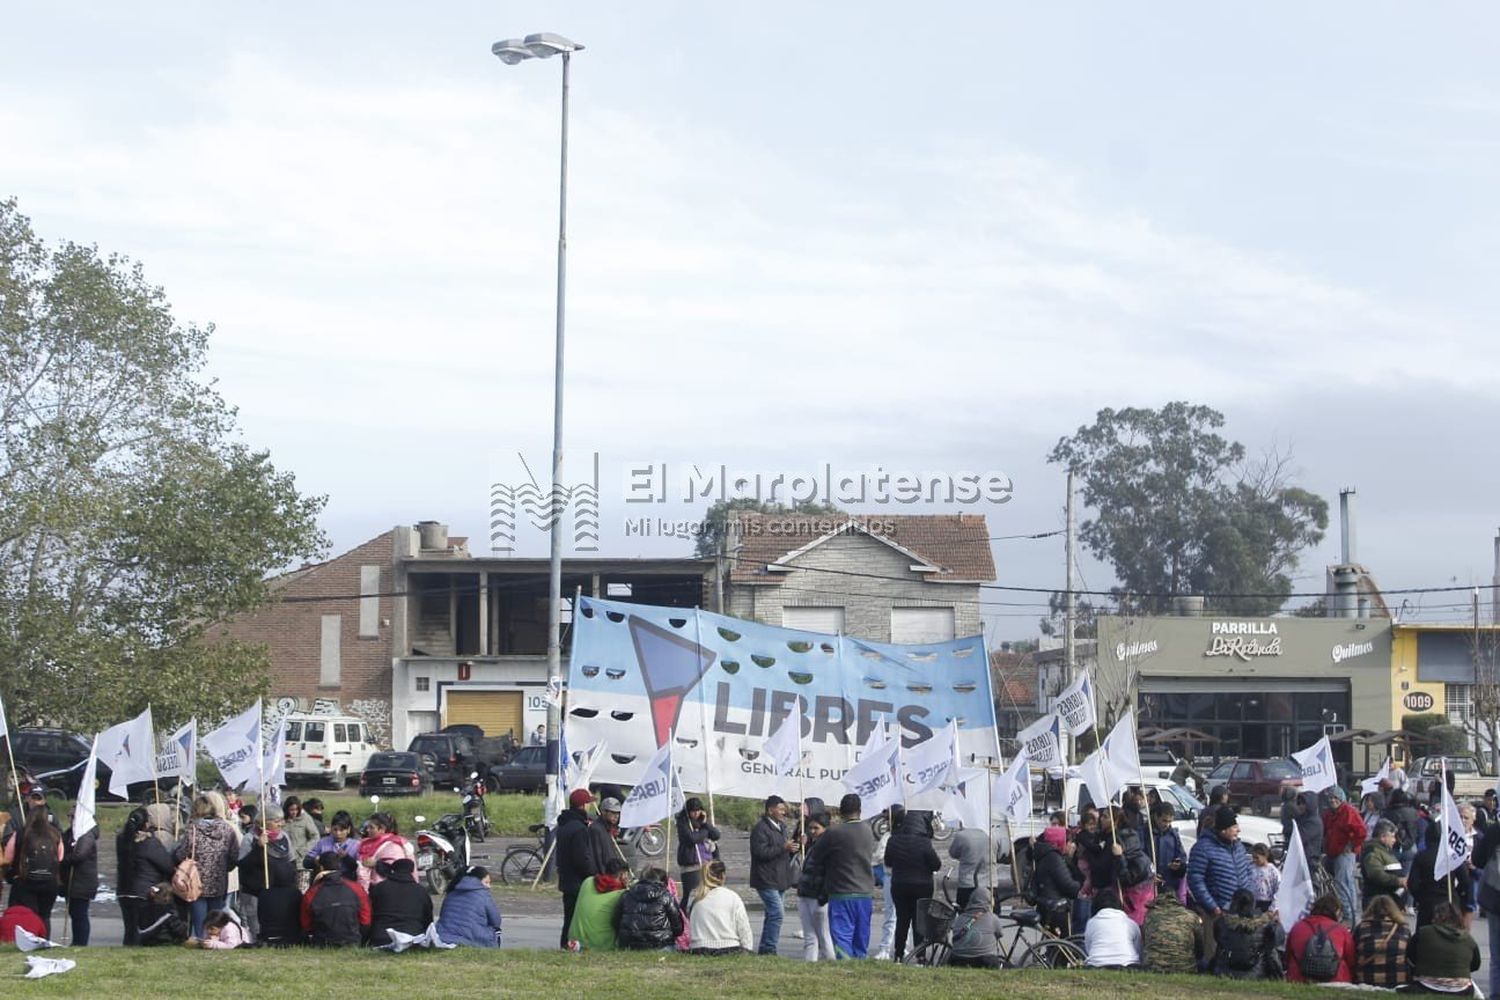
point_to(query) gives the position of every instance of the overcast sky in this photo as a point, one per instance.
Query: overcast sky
(800, 234)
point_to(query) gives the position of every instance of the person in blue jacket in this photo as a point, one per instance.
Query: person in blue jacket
(470, 916)
(1218, 865)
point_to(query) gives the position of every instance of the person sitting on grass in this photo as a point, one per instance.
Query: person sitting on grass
(222, 931)
(1380, 943)
(336, 909)
(1245, 941)
(1443, 956)
(719, 923)
(398, 903)
(596, 917)
(280, 909)
(1319, 948)
(650, 918)
(1112, 940)
(976, 933)
(470, 916)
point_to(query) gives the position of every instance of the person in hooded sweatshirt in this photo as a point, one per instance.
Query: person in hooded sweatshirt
(976, 933)
(1443, 956)
(1308, 821)
(1052, 883)
(598, 910)
(910, 862)
(470, 916)
(970, 847)
(280, 909)
(1245, 941)
(650, 918)
(398, 903)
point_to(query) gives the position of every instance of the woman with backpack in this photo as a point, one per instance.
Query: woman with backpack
(1380, 944)
(1320, 948)
(212, 844)
(1245, 941)
(35, 853)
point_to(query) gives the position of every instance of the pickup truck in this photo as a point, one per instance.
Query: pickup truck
(1469, 779)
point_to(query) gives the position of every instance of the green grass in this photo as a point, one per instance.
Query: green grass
(541, 975)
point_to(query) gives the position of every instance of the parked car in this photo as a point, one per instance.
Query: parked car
(1157, 762)
(1256, 784)
(396, 772)
(56, 759)
(328, 749)
(1469, 779)
(526, 771)
(454, 756)
(489, 751)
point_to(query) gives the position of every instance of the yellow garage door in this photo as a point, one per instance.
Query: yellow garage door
(496, 712)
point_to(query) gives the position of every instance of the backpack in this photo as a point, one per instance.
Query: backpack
(187, 880)
(39, 862)
(1320, 957)
(335, 913)
(1135, 869)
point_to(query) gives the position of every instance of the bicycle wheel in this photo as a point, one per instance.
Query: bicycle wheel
(932, 954)
(1052, 953)
(520, 866)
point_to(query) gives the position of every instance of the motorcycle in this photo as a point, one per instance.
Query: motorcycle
(442, 852)
(476, 817)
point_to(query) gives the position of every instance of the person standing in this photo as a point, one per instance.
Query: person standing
(1171, 857)
(575, 862)
(970, 847)
(1487, 859)
(602, 844)
(909, 863)
(34, 853)
(1218, 867)
(771, 850)
(1343, 836)
(817, 943)
(80, 880)
(301, 831)
(1380, 866)
(697, 843)
(213, 842)
(846, 855)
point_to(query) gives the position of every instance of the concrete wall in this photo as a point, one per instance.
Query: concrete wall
(867, 602)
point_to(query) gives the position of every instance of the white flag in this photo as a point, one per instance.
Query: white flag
(1317, 766)
(235, 748)
(181, 754)
(929, 763)
(1076, 705)
(4, 729)
(84, 808)
(876, 778)
(1013, 789)
(38, 967)
(1454, 849)
(966, 802)
(783, 748)
(1295, 897)
(1372, 785)
(658, 793)
(1042, 741)
(1122, 759)
(1095, 778)
(578, 773)
(273, 766)
(129, 751)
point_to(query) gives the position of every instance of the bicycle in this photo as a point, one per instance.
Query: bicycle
(522, 863)
(1046, 950)
(933, 923)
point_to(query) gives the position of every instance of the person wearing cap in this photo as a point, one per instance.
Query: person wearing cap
(575, 862)
(602, 834)
(470, 916)
(771, 850)
(1344, 836)
(1218, 867)
(398, 903)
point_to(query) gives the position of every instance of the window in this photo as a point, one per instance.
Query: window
(919, 625)
(315, 732)
(828, 620)
(1460, 699)
(329, 657)
(423, 683)
(294, 732)
(354, 733)
(340, 733)
(1243, 770)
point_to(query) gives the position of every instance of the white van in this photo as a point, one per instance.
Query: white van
(329, 749)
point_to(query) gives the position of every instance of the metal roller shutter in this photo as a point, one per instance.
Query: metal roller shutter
(496, 712)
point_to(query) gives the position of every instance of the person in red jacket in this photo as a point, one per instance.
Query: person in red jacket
(1344, 836)
(336, 874)
(1326, 915)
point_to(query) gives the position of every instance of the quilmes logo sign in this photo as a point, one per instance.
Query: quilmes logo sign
(522, 499)
(1352, 649)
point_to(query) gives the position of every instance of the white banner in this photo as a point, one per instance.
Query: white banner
(783, 750)
(1013, 789)
(1454, 849)
(1317, 766)
(1372, 785)
(273, 767)
(1122, 759)
(129, 751)
(1042, 741)
(1076, 705)
(235, 748)
(967, 802)
(84, 808)
(876, 777)
(656, 795)
(928, 764)
(578, 773)
(1295, 897)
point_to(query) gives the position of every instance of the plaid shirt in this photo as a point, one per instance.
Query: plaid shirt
(1380, 953)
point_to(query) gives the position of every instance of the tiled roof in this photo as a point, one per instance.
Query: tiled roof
(1015, 678)
(956, 543)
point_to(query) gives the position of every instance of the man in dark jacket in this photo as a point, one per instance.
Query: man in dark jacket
(846, 856)
(649, 915)
(771, 850)
(336, 910)
(602, 833)
(1171, 856)
(1218, 867)
(575, 862)
(398, 903)
(909, 863)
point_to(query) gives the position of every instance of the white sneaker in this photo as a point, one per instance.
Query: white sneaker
(882, 956)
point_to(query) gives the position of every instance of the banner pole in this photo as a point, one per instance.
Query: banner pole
(708, 787)
(155, 776)
(1447, 878)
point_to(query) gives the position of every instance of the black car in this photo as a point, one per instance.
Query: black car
(57, 759)
(453, 756)
(526, 771)
(396, 772)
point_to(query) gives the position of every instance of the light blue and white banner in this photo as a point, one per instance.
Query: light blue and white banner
(723, 685)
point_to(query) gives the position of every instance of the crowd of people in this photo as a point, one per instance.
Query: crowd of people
(230, 876)
(1118, 880)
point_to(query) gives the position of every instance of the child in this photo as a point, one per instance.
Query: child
(1265, 880)
(222, 931)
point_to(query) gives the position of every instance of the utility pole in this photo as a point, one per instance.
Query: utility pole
(1070, 653)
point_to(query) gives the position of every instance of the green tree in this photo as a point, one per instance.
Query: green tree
(1178, 510)
(711, 529)
(132, 519)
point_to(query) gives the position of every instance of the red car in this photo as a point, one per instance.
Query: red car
(1256, 785)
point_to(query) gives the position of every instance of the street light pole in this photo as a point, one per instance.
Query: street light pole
(510, 52)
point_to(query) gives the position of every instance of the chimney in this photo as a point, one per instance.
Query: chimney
(433, 535)
(1495, 593)
(1346, 522)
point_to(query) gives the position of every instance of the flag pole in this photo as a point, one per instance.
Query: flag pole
(1448, 878)
(801, 786)
(155, 781)
(708, 787)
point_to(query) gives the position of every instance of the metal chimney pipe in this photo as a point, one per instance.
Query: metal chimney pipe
(1495, 593)
(1346, 523)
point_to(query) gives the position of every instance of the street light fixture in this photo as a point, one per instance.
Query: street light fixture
(511, 51)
